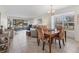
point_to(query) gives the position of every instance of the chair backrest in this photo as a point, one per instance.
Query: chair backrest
(45, 29)
(59, 28)
(61, 33)
(40, 32)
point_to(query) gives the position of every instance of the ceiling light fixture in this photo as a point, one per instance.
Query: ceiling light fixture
(51, 10)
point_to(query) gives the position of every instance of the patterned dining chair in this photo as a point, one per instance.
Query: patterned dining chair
(46, 37)
(60, 36)
(40, 34)
(41, 30)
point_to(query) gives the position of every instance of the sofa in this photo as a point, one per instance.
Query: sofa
(33, 32)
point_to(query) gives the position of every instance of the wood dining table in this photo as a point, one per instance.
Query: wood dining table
(51, 34)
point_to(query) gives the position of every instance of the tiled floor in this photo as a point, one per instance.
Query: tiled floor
(21, 44)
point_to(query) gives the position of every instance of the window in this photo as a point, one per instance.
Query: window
(67, 21)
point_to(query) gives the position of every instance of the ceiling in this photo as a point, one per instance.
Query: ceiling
(29, 11)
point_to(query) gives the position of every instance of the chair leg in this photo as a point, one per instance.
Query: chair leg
(65, 36)
(59, 44)
(49, 46)
(55, 41)
(51, 41)
(43, 45)
(38, 42)
(65, 39)
(63, 42)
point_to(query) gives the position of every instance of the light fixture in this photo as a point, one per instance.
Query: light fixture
(51, 10)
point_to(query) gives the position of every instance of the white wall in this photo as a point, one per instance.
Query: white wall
(77, 25)
(3, 17)
(46, 20)
(35, 21)
(4, 20)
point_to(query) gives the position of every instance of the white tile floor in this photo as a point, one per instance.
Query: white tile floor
(21, 44)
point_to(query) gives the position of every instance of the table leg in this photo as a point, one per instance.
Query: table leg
(38, 41)
(43, 45)
(65, 36)
(50, 45)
